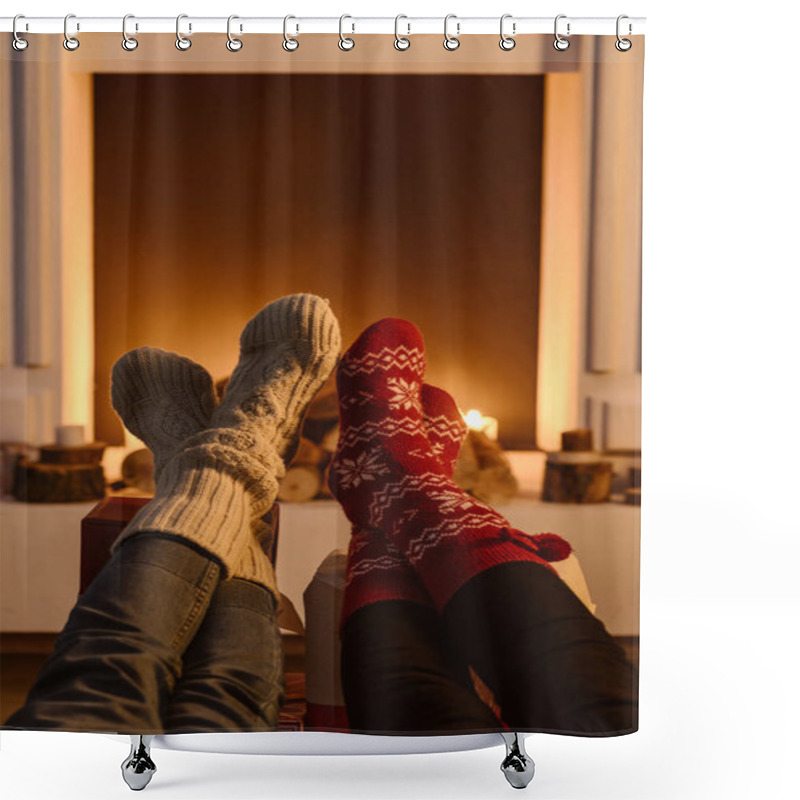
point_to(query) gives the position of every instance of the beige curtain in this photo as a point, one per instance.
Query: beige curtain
(411, 196)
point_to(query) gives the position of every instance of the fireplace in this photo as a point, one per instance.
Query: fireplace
(578, 262)
(405, 196)
(82, 289)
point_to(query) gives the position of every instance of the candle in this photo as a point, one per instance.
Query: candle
(478, 422)
(70, 435)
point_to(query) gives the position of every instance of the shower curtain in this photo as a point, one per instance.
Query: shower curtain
(321, 378)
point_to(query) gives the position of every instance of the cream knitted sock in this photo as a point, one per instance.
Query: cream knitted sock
(163, 399)
(223, 479)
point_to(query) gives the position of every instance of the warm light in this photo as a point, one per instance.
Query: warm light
(474, 419)
(478, 422)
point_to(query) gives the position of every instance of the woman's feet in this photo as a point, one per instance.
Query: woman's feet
(376, 569)
(387, 476)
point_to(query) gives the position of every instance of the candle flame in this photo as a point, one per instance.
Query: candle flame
(474, 420)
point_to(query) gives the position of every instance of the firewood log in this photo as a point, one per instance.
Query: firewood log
(58, 483)
(496, 482)
(467, 467)
(483, 470)
(308, 453)
(487, 451)
(79, 454)
(330, 439)
(577, 474)
(577, 483)
(303, 479)
(138, 469)
(300, 484)
(322, 416)
(495, 485)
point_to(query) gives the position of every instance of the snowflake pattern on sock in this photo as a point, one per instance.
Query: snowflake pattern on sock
(446, 535)
(377, 569)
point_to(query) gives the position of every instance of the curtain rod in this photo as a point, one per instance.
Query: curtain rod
(407, 26)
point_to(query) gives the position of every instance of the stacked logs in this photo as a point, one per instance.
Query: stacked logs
(307, 476)
(483, 469)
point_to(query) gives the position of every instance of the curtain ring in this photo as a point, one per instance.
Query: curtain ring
(401, 42)
(128, 42)
(623, 45)
(506, 42)
(181, 41)
(560, 43)
(18, 43)
(346, 43)
(233, 44)
(290, 44)
(70, 42)
(451, 42)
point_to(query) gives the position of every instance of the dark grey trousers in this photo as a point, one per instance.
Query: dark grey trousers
(158, 643)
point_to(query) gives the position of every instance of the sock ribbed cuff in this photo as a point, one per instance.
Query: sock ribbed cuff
(254, 565)
(376, 572)
(204, 504)
(445, 570)
(231, 451)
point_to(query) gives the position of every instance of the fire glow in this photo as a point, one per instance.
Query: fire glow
(478, 422)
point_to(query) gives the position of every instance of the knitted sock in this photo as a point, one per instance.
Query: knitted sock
(163, 399)
(224, 478)
(386, 475)
(376, 569)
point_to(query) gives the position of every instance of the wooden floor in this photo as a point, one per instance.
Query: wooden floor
(22, 655)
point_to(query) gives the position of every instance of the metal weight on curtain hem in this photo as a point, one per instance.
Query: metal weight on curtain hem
(451, 41)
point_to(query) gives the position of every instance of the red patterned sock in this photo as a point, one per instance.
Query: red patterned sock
(376, 569)
(387, 476)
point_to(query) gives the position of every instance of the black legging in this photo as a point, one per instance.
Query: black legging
(550, 664)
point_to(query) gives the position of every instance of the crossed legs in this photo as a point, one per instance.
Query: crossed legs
(179, 628)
